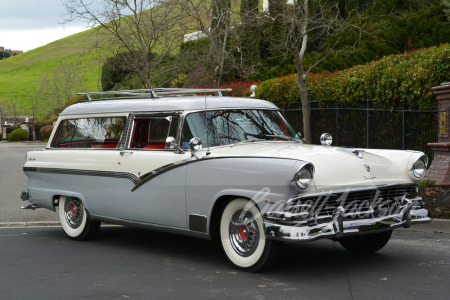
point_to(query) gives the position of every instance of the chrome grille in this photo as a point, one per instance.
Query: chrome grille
(371, 201)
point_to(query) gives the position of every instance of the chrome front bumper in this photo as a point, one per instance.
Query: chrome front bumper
(340, 226)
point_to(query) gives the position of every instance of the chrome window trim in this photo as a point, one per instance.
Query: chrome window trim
(62, 119)
(150, 115)
(187, 113)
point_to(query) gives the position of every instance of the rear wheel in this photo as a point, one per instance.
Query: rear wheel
(243, 239)
(75, 220)
(365, 244)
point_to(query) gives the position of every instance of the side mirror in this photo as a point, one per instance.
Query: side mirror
(195, 145)
(171, 143)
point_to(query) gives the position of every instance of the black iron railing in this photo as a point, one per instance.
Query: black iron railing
(368, 127)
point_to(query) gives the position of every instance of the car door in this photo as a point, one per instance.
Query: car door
(157, 195)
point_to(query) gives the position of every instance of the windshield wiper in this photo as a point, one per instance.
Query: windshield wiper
(251, 141)
(283, 137)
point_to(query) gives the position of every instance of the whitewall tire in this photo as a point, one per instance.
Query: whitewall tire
(76, 222)
(242, 236)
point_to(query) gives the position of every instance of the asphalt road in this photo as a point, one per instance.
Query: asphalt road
(125, 263)
(13, 181)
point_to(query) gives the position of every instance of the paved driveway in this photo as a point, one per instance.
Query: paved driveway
(125, 263)
(13, 181)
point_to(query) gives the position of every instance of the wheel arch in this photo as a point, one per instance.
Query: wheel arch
(57, 196)
(216, 213)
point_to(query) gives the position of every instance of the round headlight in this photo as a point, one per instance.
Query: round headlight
(326, 139)
(303, 178)
(195, 145)
(420, 167)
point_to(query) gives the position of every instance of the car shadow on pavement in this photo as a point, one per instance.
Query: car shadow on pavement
(321, 259)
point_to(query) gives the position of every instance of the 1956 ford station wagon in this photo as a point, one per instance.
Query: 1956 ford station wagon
(215, 167)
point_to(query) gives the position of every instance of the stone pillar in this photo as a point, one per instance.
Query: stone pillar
(439, 170)
(4, 133)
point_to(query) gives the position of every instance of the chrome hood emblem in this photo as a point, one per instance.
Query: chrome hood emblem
(367, 167)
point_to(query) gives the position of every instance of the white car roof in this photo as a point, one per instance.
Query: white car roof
(165, 104)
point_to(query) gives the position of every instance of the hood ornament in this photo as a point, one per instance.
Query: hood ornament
(367, 167)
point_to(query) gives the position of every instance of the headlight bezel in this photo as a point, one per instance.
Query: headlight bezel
(419, 167)
(304, 177)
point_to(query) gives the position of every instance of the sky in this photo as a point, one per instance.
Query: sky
(29, 24)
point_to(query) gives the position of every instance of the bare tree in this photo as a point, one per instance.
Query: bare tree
(219, 35)
(63, 85)
(321, 21)
(38, 100)
(14, 107)
(213, 20)
(231, 28)
(249, 32)
(147, 30)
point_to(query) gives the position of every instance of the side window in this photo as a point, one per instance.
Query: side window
(89, 133)
(152, 132)
(186, 136)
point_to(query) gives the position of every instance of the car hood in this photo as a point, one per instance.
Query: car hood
(335, 167)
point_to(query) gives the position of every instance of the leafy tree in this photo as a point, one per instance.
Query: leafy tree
(446, 4)
(4, 55)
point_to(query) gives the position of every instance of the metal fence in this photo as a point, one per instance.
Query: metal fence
(368, 127)
(38, 133)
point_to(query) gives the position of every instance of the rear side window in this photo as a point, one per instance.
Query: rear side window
(89, 133)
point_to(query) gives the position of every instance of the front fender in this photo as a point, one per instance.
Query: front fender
(256, 178)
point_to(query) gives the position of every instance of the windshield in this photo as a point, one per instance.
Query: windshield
(234, 126)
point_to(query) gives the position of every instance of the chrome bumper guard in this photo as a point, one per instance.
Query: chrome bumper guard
(340, 225)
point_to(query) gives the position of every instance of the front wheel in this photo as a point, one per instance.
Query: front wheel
(75, 220)
(243, 239)
(365, 244)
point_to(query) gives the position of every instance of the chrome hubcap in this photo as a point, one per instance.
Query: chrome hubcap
(244, 233)
(73, 211)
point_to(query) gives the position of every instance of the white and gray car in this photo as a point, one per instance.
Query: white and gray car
(223, 168)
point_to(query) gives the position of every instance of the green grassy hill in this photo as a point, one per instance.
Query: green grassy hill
(21, 73)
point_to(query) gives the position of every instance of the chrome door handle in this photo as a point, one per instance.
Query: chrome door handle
(122, 153)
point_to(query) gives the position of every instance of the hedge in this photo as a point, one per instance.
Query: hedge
(18, 134)
(390, 82)
(239, 87)
(46, 131)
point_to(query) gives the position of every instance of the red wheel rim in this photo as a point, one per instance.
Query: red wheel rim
(243, 232)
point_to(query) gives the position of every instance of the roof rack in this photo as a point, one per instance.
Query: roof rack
(154, 93)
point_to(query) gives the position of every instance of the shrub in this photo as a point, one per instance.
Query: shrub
(18, 134)
(280, 90)
(393, 81)
(46, 131)
(180, 81)
(240, 88)
(198, 45)
(423, 184)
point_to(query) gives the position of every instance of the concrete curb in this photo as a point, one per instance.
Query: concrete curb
(437, 225)
(29, 224)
